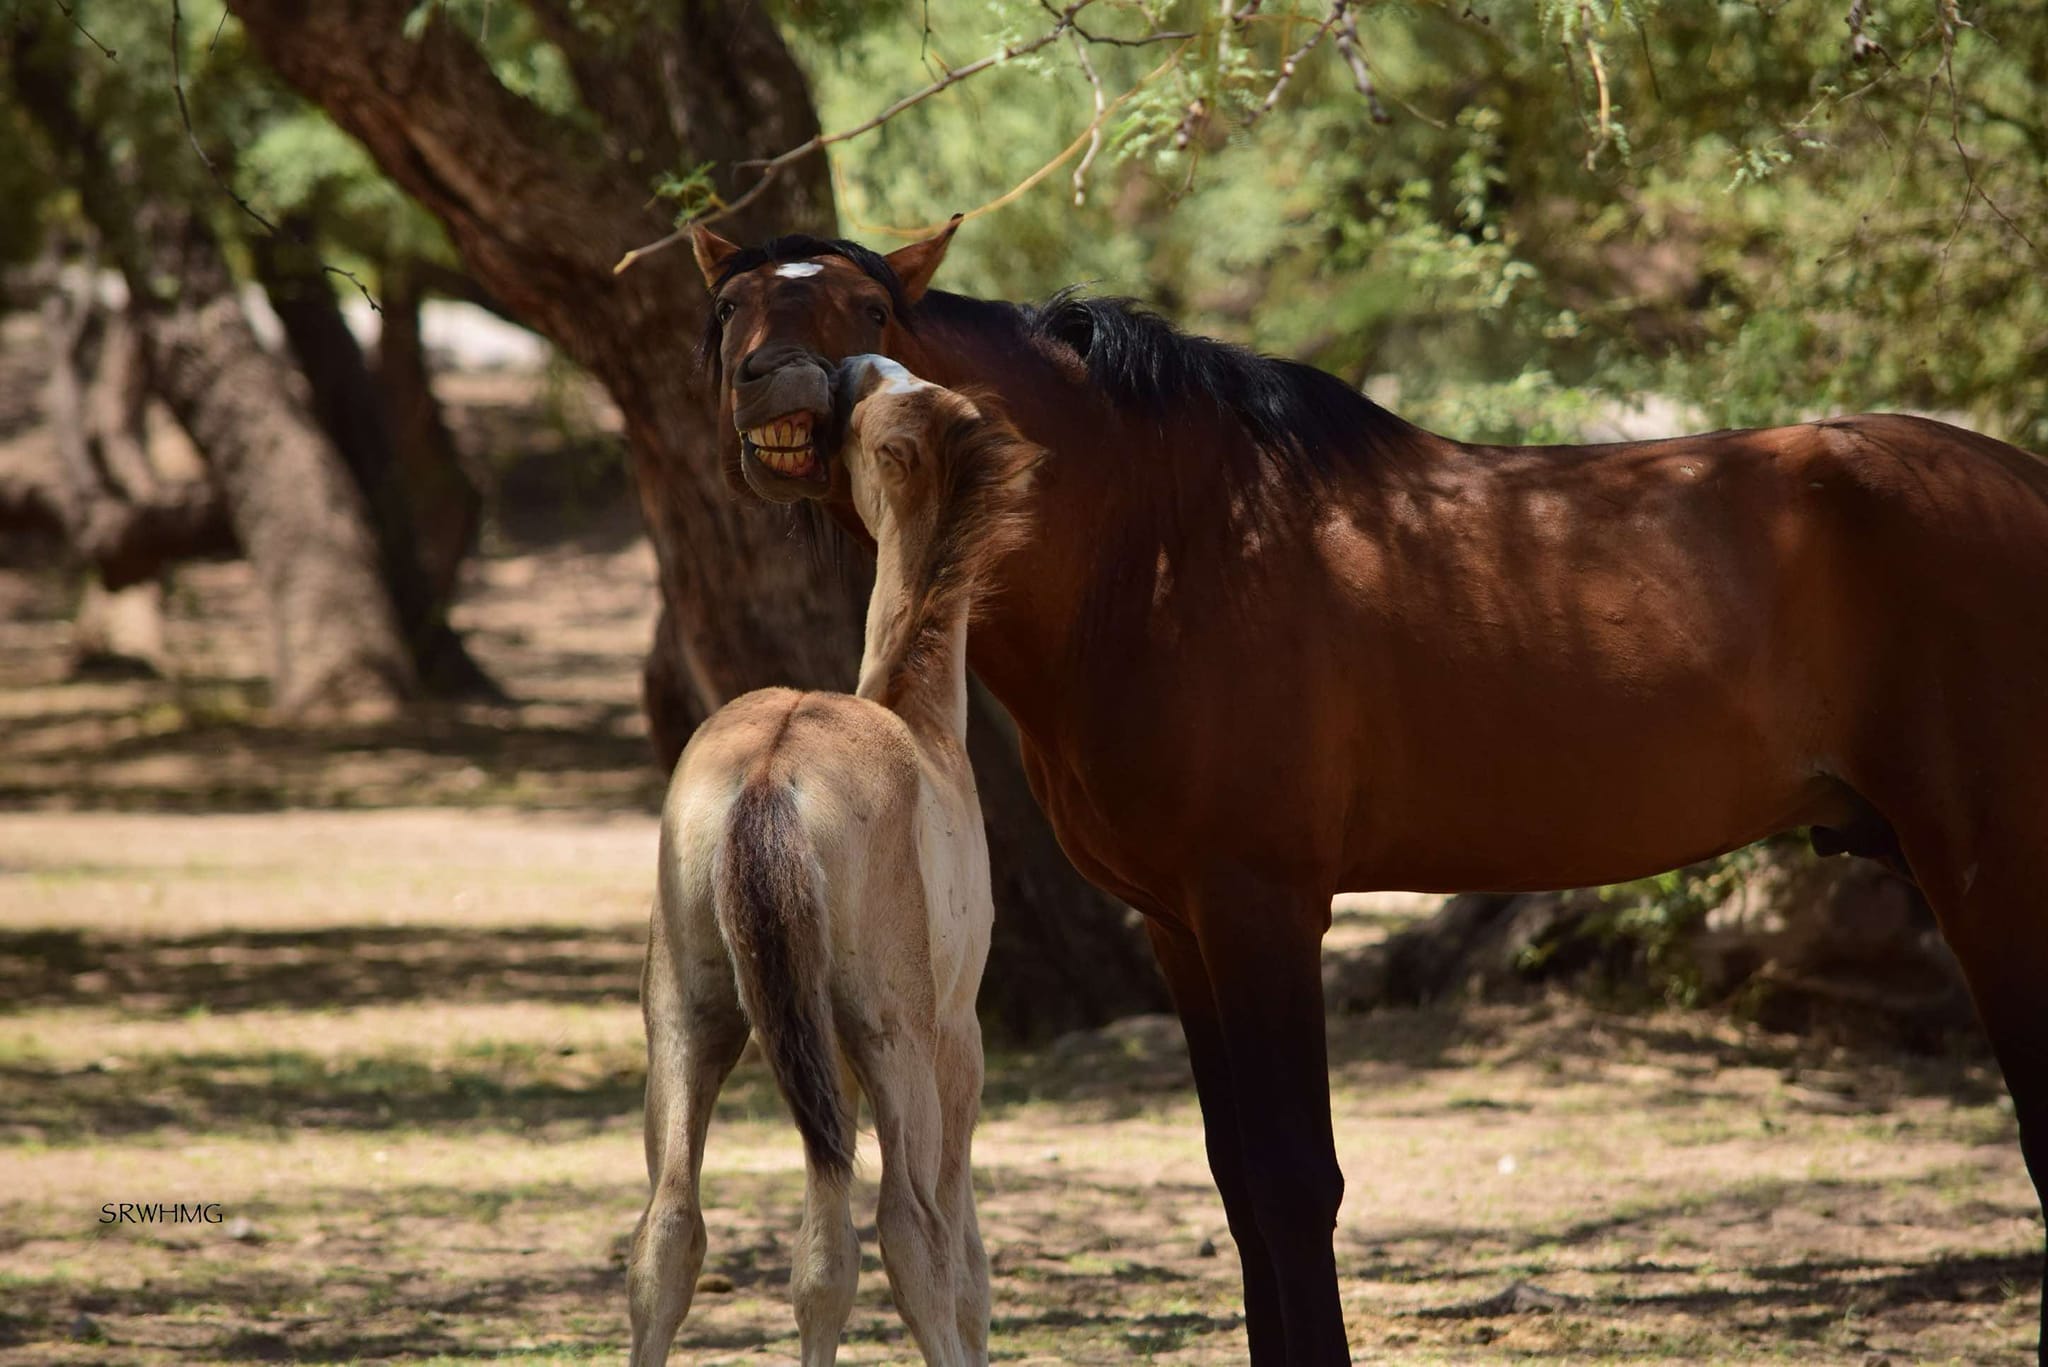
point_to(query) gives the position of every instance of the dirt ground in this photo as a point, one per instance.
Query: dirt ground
(373, 993)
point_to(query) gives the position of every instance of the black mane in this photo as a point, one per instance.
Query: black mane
(1145, 364)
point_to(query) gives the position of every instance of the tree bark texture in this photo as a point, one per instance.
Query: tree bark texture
(540, 209)
(95, 487)
(446, 503)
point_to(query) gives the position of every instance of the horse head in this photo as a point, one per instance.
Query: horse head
(783, 315)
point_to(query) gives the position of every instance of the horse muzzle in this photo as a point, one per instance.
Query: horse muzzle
(785, 420)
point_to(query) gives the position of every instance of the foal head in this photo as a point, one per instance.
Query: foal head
(783, 298)
(935, 472)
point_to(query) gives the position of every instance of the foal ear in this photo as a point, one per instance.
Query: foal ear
(916, 264)
(895, 459)
(712, 252)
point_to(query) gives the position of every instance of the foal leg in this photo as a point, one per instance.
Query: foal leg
(1261, 943)
(695, 1032)
(918, 1244)
(826, 1269)
(959, 1078)
(1187, 978)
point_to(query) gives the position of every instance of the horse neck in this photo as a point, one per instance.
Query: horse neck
(914, 660)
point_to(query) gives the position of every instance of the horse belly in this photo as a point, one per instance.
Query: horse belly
(1581, 710)
(1531, 798)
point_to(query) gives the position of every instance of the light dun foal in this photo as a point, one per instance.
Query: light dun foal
(824, 875)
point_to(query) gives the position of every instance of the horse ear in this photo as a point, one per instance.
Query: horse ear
(712, 251)
(916, 264)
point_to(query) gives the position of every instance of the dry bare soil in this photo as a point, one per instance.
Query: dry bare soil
(398, 1046)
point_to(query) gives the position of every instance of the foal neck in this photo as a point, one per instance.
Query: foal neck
(914, 658)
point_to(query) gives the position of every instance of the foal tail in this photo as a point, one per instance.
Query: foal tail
(766, 889)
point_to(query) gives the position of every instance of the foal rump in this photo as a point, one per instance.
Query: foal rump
(767, 895)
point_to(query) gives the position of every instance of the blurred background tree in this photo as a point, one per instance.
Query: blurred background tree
(1546, 221)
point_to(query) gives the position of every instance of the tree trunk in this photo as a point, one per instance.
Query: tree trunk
(447, 505)
(540, 209)
(95, 486)
(298, 516)
(336, 645)
(119, 634)
(353, 408)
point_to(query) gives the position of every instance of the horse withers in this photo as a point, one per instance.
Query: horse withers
(1268, 642)
(824, 877)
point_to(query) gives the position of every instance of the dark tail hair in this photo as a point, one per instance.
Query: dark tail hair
(765, 889)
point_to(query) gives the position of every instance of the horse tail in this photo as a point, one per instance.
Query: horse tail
(768, 895)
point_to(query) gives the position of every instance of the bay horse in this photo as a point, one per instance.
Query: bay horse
(824, 876)
(1269, 642)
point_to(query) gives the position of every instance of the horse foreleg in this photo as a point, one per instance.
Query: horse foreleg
(695, 1032)
(1261, 945)
(1187, 978)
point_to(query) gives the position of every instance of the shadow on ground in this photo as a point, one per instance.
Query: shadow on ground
(364, 1296)
(322, 969)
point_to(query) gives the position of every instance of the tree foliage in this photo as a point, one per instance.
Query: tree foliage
(1570, 204)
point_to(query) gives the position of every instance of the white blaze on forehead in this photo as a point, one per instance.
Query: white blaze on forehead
(797, 270)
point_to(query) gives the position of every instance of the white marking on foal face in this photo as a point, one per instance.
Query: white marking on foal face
(898, 380)
(797, 270)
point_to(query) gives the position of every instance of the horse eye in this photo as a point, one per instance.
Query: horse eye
(726, 309)
(878, 315)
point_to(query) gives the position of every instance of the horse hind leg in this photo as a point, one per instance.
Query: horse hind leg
(919, 1248)
(960, 1077)
(695, 1033)
(825, 1273)
(1995, 915)
(2016, 1017)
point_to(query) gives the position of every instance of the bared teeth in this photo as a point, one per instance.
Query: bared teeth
(785, 444)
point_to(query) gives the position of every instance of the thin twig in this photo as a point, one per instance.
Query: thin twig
(72, 15)
(1025, 185)
(1287, 67)
(1861, 44)
(1353, 52)
(192, 134)
(1951, 20)
(1606, 124)
(1094, 127)
(772, 167)
(213, 168)
(1649, 62)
